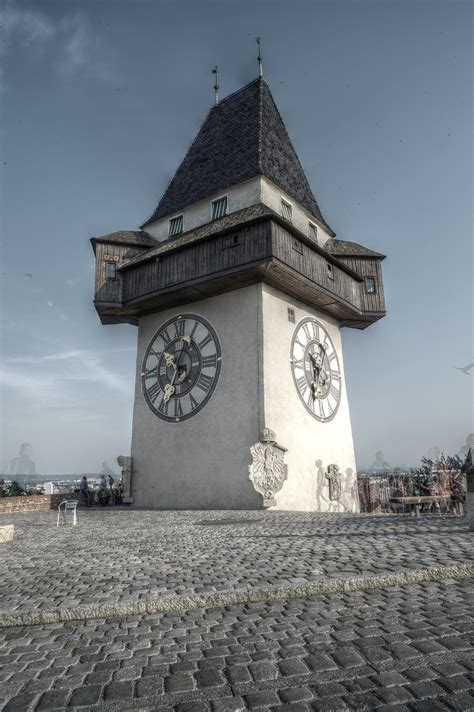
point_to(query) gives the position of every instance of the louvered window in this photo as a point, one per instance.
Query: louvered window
(175, 226)
(219, 208)
(313, 231)
(286, 210)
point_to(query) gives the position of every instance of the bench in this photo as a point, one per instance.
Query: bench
(413, 502)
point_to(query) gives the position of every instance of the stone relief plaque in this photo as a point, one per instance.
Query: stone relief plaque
(267, 471)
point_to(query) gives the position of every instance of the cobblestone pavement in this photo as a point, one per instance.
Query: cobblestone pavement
(126, 555)
(407, 648)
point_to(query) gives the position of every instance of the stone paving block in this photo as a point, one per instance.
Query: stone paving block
(455, 643)
(461, 702)
(389, 679)
(293, 666)
(328, 689)
(149, 686)
(419, 674)
(87, 695)
(456, 683)
(228, 704)
(237, 674)
(194, 706)
(334, 705)
(396, 695)
(263, 671)
(295, 694)
(348, 658)
(209, 678)
(429, 706)
(54, 699)
(258, 700)
(426, 690)
(118, 691)
(179, 683)
(320, 662)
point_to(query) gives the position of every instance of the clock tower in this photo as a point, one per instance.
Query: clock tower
(240, 289)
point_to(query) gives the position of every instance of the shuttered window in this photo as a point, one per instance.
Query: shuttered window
(286, 210)
(370, 285)
(313, 231)
(175, 226)
(219, 208)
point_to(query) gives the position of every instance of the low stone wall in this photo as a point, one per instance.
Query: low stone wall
(34, 502)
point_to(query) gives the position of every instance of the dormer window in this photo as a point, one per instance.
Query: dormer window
(313, 231)
(286, 210)
(175, 226)
(370, 285)
(219, 208)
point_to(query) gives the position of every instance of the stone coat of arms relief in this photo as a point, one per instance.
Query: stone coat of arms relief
(267, 471)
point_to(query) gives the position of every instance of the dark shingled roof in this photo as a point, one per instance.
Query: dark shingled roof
(344, 248)
(242, 137)
(126, 237)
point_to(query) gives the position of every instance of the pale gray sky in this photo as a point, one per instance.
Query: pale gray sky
(100, 101)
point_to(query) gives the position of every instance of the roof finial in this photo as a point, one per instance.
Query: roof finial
(216, 86)
(259, 59)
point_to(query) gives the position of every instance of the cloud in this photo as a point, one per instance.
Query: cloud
(58, 380)
(75, 45)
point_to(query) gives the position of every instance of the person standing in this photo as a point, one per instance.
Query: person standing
(84, 487)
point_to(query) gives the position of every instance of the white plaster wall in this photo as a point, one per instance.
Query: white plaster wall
(202, 463)
(306, 439)
(239, 196)
(272, 195)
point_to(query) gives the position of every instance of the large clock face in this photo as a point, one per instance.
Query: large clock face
(181, 367)
(315, 369)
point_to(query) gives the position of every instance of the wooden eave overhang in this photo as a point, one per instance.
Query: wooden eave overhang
(241, 218)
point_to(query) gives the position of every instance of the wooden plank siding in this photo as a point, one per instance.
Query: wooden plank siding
(202, 259)
(314, 266)
(262, 251)
(368, 267)
(111, 290)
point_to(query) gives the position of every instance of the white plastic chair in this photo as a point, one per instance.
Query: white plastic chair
(70, 505)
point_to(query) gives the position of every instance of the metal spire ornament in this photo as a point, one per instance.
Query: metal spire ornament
(216, 87)
(259, 59)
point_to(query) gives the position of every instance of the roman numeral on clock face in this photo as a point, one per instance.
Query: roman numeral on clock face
(178, 411)
(206, 340)
(204, 382)
(153, 391)
(165, 335)
(209, 361)
(179, 327)
(334, 391)
(163, 407)
(302, 385)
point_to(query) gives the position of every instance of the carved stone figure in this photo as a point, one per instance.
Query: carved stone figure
(267, 471)
(334, 480)
(126, 464)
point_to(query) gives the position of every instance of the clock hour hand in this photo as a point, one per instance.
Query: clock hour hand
(169, 391)
(169, 358)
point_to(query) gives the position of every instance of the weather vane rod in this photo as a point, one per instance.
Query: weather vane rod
(216, 87)
(259, 59)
